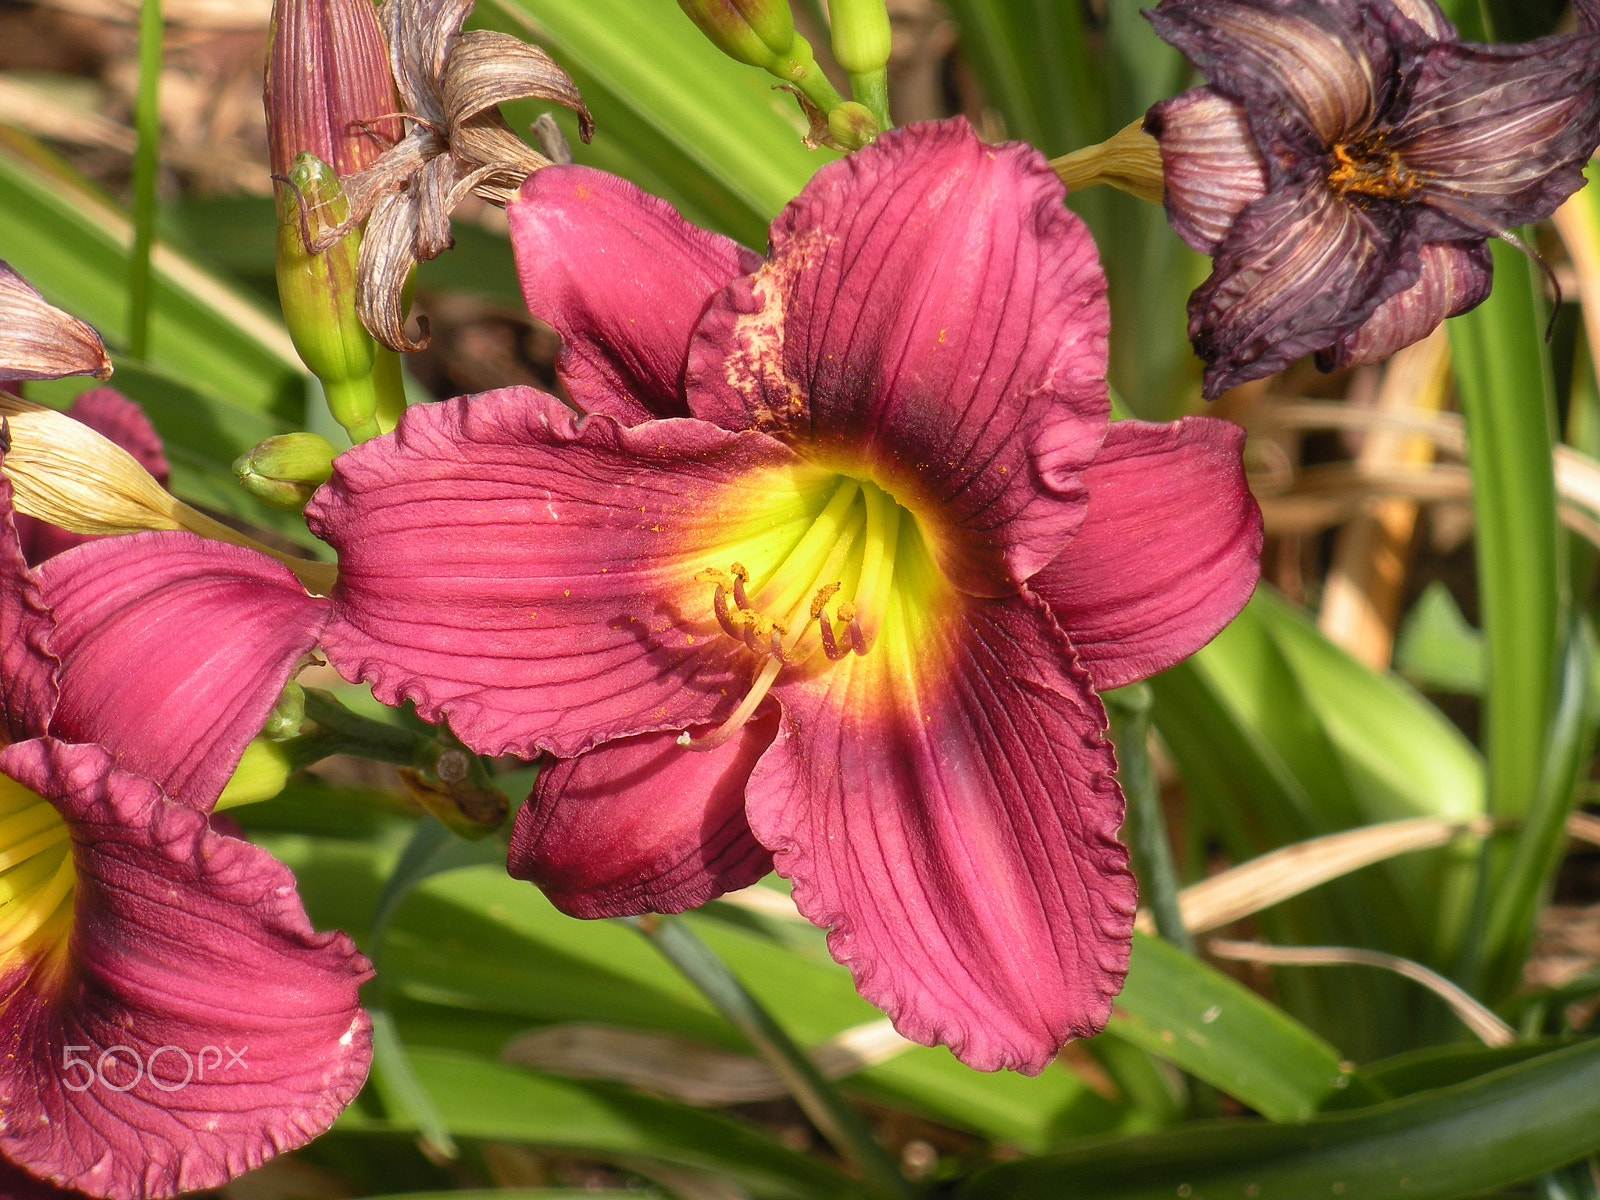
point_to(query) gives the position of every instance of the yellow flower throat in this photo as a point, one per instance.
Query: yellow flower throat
(828, 594)
(36, 873)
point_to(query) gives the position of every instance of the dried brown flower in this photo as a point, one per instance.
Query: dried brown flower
(456, 142)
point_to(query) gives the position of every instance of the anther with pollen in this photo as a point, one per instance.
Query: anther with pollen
(765, 635)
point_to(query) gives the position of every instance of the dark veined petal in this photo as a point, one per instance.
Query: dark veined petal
(642, 825)
(1308, 72)
(1298, 271)
(1426, 15)
(27, 668)
(186, 948)
(1500, 134)
(1210, 162)
(1455, 276)
(931, 316)
(530, 575)
(173, 650)
(17, 1184)
(623, 279)
(106, 411)
(1168, 554)
(950, 815)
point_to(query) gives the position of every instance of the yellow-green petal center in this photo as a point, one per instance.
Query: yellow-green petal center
(833, 567)
(37, 875)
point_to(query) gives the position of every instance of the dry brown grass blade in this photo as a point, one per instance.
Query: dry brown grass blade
(1287, 872)
(1490, 1028)
(1362, 593)
(690, 1071)
(1325, 495)
(1584, 827)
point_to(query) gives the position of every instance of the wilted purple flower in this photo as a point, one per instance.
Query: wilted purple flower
(168, 1017)
(851, 522)
(39, 341)
(1346, 164)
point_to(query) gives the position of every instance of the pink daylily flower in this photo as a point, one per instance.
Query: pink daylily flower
(824, 578)
(168, 1017)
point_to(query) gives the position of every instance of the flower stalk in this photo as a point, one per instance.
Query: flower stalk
(826, 1108)
(1129, 160)
(442, 776)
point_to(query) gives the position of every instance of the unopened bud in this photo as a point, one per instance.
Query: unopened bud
(329, 88)
(757, 32)
(284, 470)
(861, 35)
(318, 293)
(260, 775)
(851, 126)
(462, 802)
(288, 716)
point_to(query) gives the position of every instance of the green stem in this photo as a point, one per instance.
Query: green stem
(391, 387)
(828, 1111)
(1129, 710)
(872, 90)
(146, 162)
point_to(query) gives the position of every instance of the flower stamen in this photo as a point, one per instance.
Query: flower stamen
(1367, 167)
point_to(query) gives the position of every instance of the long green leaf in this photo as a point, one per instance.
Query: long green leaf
(478, 940)
(666, 99)
(1440, 1145)
(1191, 1014)
(480, 1098)
(1503, 383)
(74, 246)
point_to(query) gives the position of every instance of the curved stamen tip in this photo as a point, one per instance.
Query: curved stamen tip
(735, 722)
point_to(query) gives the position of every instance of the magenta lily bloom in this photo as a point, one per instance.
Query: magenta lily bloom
(824, 579)
(168, 1017)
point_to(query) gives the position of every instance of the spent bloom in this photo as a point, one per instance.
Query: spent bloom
(39, 341)
(455, 143)
(824, 577)
(111, 414)
(1346, 163)
(168, 1017)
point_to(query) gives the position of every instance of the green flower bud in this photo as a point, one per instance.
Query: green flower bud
(861, 37)
(260, 775)
(757, 32)
(284, 470)
(288, 716)
(318, 293)
(851, 126)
